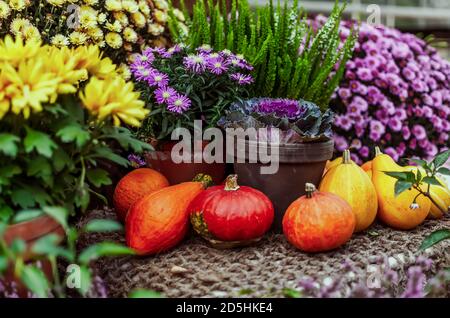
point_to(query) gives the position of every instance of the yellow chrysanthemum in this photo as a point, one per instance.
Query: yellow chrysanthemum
(87, 19)
(59, 40)
(155, 29)
(77, 38)
(161, 4)
(4, 101)
(124, 71)
(130, 6)
(91, 2)
(114, 27)
(114, 98)
(18, 24)
(101, 18)
(114, 40)
(29, 86)
(56, 3)
(63, 64)
(160, 16)
(113, 5)
(122, 18)
(5, 10)
(138, 20)
(31, 33)
(95, 33)
(13, 52)
(90, 58)
(17, 5)
(144, 8)
(130, 35)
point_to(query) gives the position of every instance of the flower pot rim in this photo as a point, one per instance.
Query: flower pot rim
(44, 224)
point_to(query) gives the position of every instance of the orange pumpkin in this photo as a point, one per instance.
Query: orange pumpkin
(160, 220)
(134, 186)
(318, 221)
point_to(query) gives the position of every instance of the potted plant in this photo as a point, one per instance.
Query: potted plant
(181, 86)
(60, 109)
(299, 133)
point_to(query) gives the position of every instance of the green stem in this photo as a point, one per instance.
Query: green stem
(57, 281)
(429, 197)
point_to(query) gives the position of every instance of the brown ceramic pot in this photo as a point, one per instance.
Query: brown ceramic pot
(161, 161)
(298, 164)
(30, 232)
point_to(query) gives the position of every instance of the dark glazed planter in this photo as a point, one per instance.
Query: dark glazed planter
(161, 161)
(298, 164)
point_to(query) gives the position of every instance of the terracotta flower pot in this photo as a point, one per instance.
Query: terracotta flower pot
(298, 164)
(161, 161)
(30, 232)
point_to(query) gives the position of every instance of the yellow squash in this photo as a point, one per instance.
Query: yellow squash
(439, 194)
(396, 211)
(348, 181)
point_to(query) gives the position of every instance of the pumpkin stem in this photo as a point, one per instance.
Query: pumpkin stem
(377, 151)
(310, 189)
(205, 179)
(346, 156)
(231, 183)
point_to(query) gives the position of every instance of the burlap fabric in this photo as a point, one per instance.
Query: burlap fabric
(194, 269)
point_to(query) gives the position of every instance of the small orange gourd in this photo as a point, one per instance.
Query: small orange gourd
(351, 183)
(318, 221)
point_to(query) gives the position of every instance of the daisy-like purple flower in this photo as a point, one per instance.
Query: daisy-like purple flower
(242, 79)
(179, 103)
(158, 50)
(158, 79)
(136, 161)
(217, 65)
(239, 62)
(143, 73)
(164, 94)
(195, 63)
(146, 58)
(171, 51)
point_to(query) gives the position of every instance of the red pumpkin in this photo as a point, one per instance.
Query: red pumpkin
(318, 221)
(160, 220)
(231, 213)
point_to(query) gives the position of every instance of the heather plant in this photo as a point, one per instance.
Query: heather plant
(290, 58)
(181, 85)
(297, 120)
(395, 94)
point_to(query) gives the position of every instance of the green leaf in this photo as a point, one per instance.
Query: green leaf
(48, 245)
(434, 238)
(60, 160)
(39, 141)
(59, 214)
(96, 251)
(41, 168)
(27, 196)
(3, 263)
(103, 226)
(441, 158)
(98, 177)
(444, 171)
(5, 213)
(8, 144)
(18, 246)
(35, 280)
(85, 280)
(401, 186)
(144, 293)
(107, 153)
(431, 180)
(3, 227)
(397, 175)
(420, 162)
(26, 215)
(127, 140)
(74, 132)
(291, 293)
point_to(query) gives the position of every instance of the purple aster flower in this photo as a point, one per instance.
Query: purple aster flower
(217, 65)
(406, 133)
(392, 152)
(171, 51)
(377, 126)
(164, 94)
(158, 50)
(136, 161)
(146, 58)
(242, 79)
(344, 93)
(419, 132)
(195, 63)
(340, 143)
(395, 124)
(360, 103)
(408, 74)
(143, 74)
(158, 79)
(179, 104)
(205, 49)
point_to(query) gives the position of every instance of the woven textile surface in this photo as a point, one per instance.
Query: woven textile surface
(194, 269)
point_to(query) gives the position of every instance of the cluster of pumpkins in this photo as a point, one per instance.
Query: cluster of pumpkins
(158, 216)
